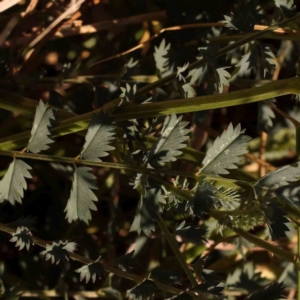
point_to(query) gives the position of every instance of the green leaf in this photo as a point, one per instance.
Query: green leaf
(244, 278)
(13, 183)
(193, 234)
(99, 136)
(43, 118)
(81, 199)
(265, 115)
(147, 211)
(172, 139)
(222, 77)
(58, 251)
(276, 220)
(225, 151)
(22, 237)
(287, 7)
(161, 57)
(280, 176)
(274, 291)
(204, 199)
(92, 270)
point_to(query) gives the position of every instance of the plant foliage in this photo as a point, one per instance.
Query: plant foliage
(146, 114)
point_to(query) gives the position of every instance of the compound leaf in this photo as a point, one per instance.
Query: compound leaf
(13, 183)
(43, 118)
(204, 199)
(280, 176)
(22, 237)
(98, 138)
(161, 57)
(172, 139)
(265, 115)
(225, 151)
(81, 199)
(147, 211)
(222, 77)
(58, 251)
(92, 270)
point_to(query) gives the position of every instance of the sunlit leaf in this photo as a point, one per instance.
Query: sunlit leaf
(280, 177)
(188, 90)
(13, 183)
(172, 138)
(222, 77)
(91, 271)
(22, 237)
(81, 199)
(40, 133)
(161, 58)
(287, 6)
(98, 138)
(225, 151)
(58, 251)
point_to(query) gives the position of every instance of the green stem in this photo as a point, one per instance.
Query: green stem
(76, 160)
(267, 91)
(78, 123)
(248, 236)
(174, 245)
(107, 267)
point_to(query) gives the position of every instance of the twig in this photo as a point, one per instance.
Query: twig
(262, 150)
(248, 236)
(284, 114)
(58, 20)
(107, 266)
(8, 29)
(182, 27)
(101, 164)
(70, 30)
(173, 244)
(32, 5)
(6, 4)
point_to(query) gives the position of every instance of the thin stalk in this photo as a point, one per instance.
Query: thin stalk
(76, 160)
(79, 123)
(107, 267)
(248, 236)
(174, 245)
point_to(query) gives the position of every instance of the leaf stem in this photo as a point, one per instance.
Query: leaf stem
(76, 160)
(174, 245)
